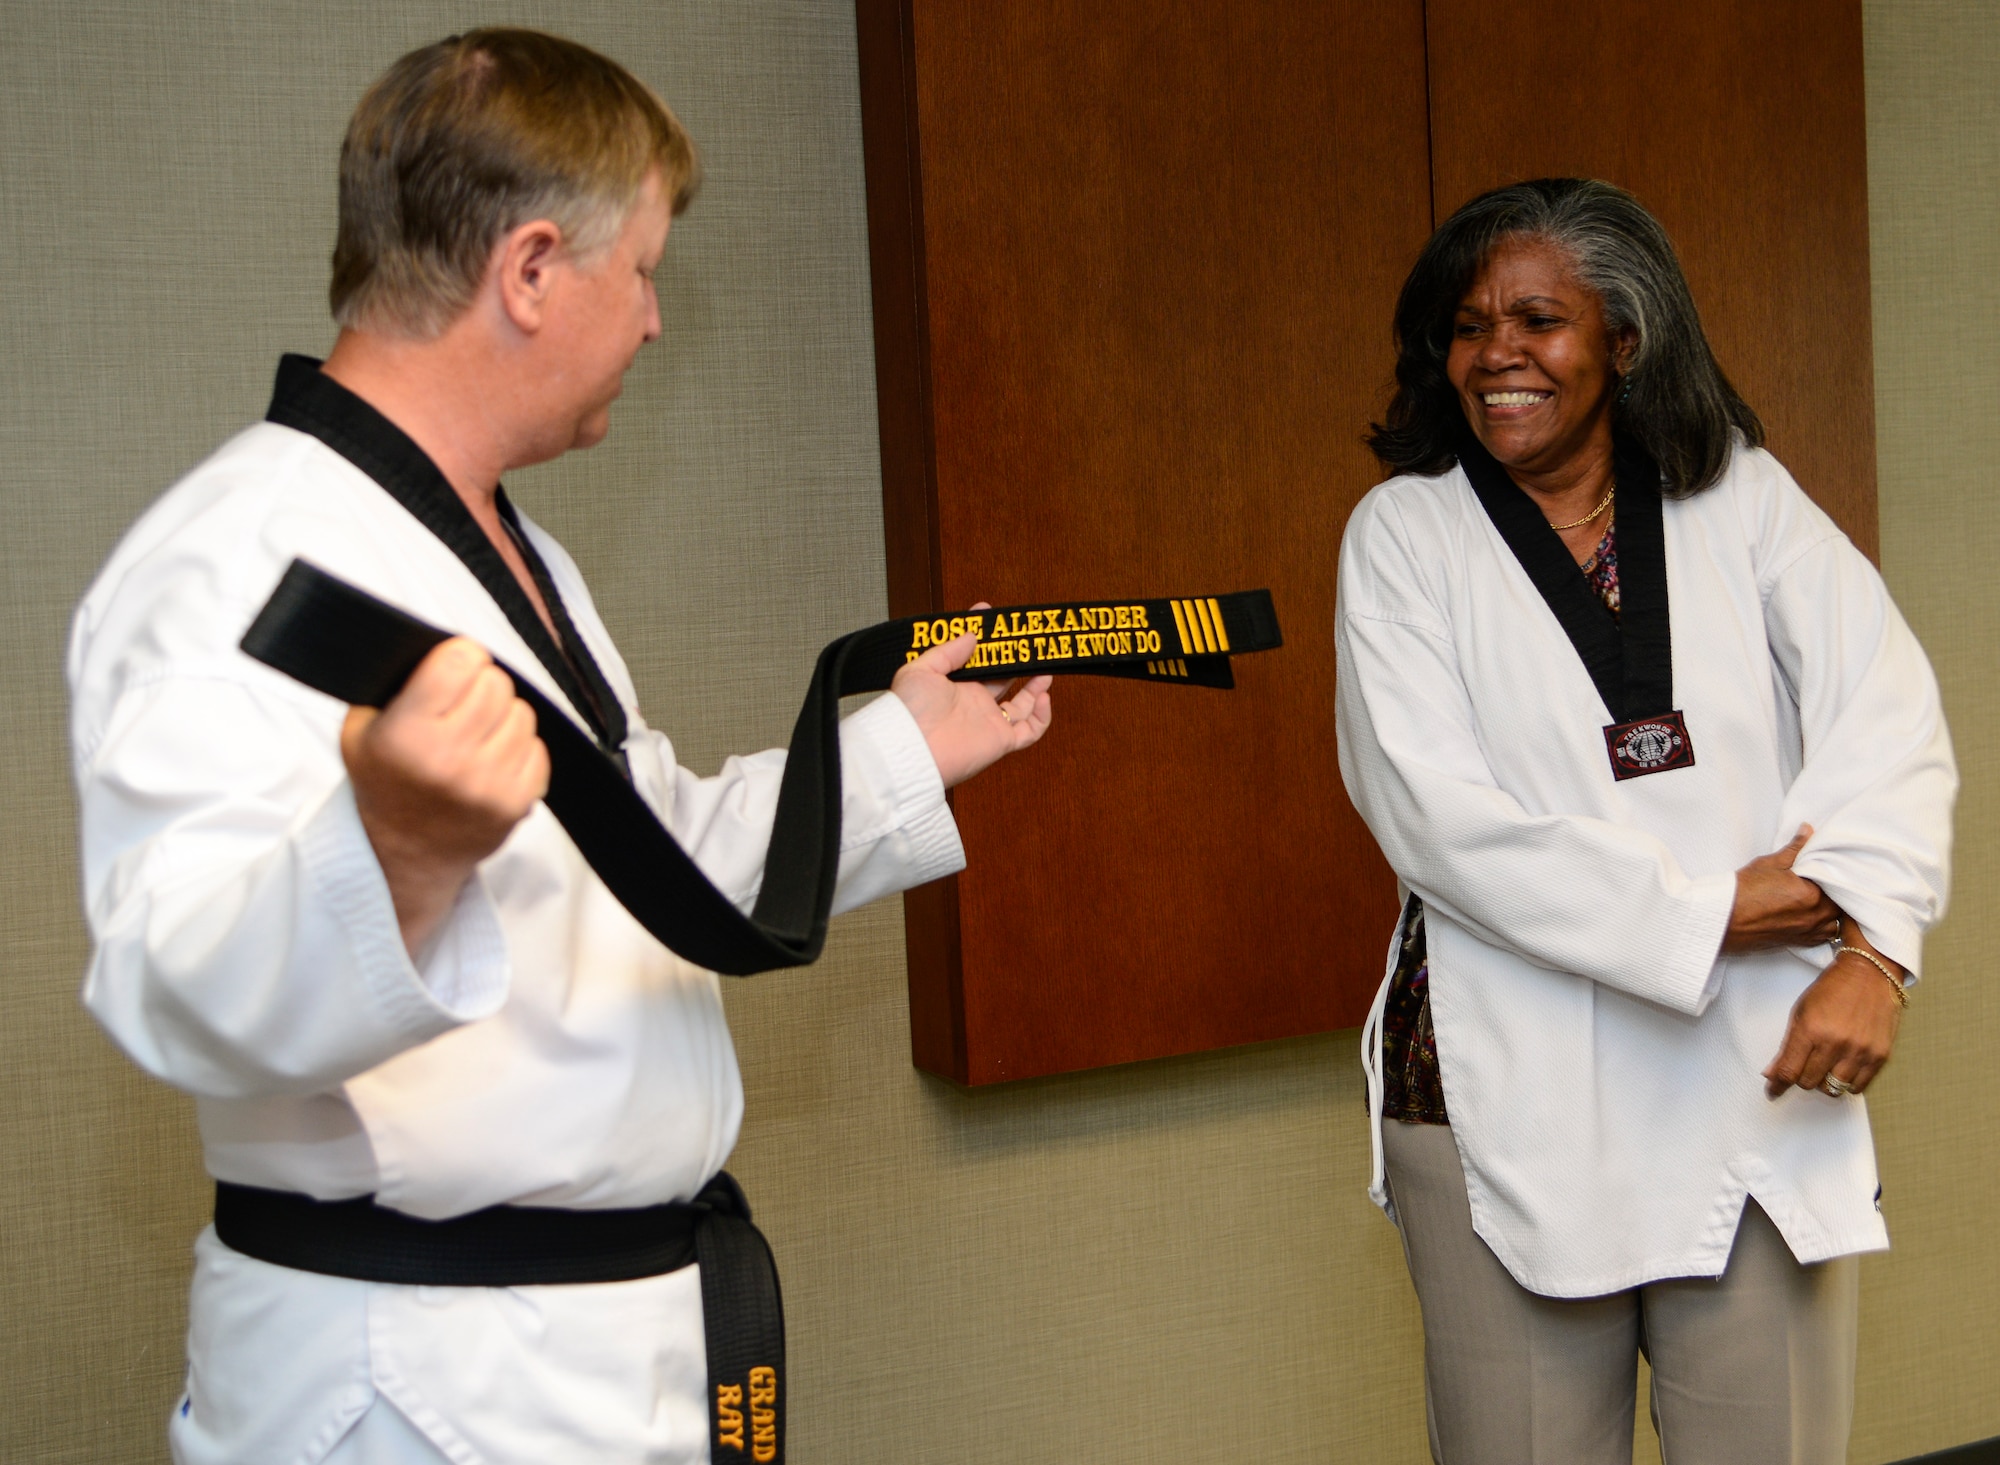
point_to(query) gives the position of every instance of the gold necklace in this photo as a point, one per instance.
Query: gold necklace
(1602, 504)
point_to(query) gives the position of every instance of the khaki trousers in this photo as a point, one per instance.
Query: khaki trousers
(1753, 1368)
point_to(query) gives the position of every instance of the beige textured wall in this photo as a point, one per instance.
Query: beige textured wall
(1169, 1262)
(1930, 1364)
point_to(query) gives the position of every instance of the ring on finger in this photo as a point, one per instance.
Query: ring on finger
(1838, 1088)
(1007, 712)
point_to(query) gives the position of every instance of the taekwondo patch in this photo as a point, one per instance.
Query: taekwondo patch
(1649, 745)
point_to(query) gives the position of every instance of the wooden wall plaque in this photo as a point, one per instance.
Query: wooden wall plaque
(1133, 268)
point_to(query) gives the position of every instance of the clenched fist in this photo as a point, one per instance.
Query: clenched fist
(441, 776)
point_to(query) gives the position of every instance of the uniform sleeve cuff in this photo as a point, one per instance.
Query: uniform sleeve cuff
(883, 749)
(935, 850)
(1695, 973)
(1891, 930)
(465, 974)
(1889, 925)
(466, 966)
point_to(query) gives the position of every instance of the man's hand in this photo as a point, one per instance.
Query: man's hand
(441, 777)
(1844, 1024)
(1774, 907)
(969, 725)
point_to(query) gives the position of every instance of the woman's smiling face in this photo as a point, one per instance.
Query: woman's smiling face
(1532, 359)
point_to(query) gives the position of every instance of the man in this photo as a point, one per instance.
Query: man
(359, 938)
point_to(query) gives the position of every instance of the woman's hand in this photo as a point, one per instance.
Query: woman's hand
(1774, 907)
(1843, 1025)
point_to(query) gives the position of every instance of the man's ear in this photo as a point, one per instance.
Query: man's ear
(523, 264)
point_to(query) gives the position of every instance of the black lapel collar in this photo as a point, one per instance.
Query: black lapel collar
(1644, 618)
(608, 711)
(1630, 659)
(313, 403)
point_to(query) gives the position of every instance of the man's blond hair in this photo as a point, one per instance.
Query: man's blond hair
(462, 141)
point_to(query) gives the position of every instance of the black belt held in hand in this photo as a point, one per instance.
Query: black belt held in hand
(743, 1319)
(344, 642)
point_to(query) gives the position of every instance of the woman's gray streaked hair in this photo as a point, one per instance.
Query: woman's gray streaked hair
(1675, 400)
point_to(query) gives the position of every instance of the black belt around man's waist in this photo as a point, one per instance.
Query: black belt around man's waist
(743, 1319)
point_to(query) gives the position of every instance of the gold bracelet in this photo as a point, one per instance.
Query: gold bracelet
(1902, 997)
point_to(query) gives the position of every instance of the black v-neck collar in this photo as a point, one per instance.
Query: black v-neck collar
(308, 400)
(1630, 657)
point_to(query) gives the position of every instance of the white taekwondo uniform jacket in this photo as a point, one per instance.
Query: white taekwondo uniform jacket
(1600, 1059)
(547, 1051)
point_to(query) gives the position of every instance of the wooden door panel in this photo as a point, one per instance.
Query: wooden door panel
(1134, 266)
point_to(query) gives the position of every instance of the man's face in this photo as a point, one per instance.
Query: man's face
(602, 311)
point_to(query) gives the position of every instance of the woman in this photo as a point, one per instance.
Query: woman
(1599, 657)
